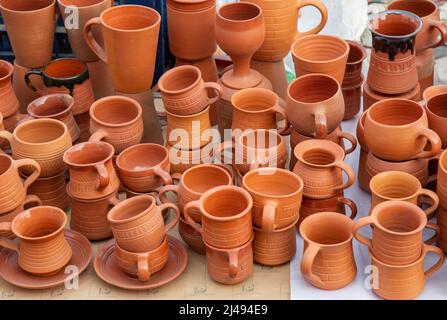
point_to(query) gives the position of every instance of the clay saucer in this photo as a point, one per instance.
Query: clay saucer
(12, 273)
(107, 268)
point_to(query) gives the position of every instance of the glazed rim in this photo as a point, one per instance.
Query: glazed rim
(6, 70)
(262, 94)
(427, 92)
(199, 167)
(148, 10)
(103, 101)
(78, 147)
(245, 245)
(96, 2)
(115, 211)
(317, 78)
(257, 133)
(320, 145)
(410, 181)
(25, 215)
(385, 104)
(317, 38)
(178, 72)
(53, 2)
(441, 97)
(39, 123)
(382, 14)
(221, 11)
(196, 115)
(359, 48)
(56, 61)
(210, 193)
(144, 146)
(427, 7)
(67, 100)
(282, 172)
(162, 246)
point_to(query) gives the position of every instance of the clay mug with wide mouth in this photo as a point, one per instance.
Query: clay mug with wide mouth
(320, 165)
(397, 233)
(315, 105)
(397, 130)
(42, 248)
(328, 259)
(138, 225)
(436, 109)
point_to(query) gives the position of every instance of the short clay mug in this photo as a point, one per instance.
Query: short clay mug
(328, 259)
(320, 165)
(397, 130)
(226, 216)
(13, 190)
(137, 223)
(315, 105)
(42, 248)
(185, 93)
(398, 185)
(276, 194)
(144, 167)
(397, 235)
(117, 120)
(437, 116)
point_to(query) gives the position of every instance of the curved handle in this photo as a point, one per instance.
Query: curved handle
(426, 249)
(32, 177)
(442, 28)
(323, 11)
(320, 126)
(103, 175)
(31, 198)
(91, 41)
(233, 262)
(7, 243)
(143, 267)
(98, 135)
(349, 172)
(351, 204)
(268, 217)
(283, 131)
(217, 89)
(38, 72)
(351, 139)
(114, 200)
(192, 205)
(7, 136)
(435, 237)
(173, 222)
(357, 225)
(435, 142)
(434, 200)
(164, 175)
(309, 255)
(164, 190)
(221, 147)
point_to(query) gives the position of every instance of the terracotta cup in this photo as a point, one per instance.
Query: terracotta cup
(352, 96)
(143, 264)
(42, 248)
(144, 167)
(441, 186)
(117, 120)
(13, 190)
(404, 282)
(320, 54)
(257, 108)
(56, 106)
(434, 91)
(353, 73)
(52, 191)
(138, 225)
(397, 130)
(24, 94)
(10, 102)
(230, 265)
(184, 92)
(92, 175)
(397, 235)
(398, 185)
(191, 237)
(181, 159)
(328, 259)
(226, 216)
(130, 35)
(276, 194)
(437, 116)
(315, 105)
(320, 165)
(43, 140)
(31, 26)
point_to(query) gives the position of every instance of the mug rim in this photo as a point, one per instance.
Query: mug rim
(199, 166)
(323, 145)
(54, 115)
(313, 75)
(401, 12)
(125, 203)
(311, 37)
(162, 79)
(362, 49)
(392, 173)
(379, 104)
(141, 146)
(425, 93)
(99, 103)
(255, 90)
(256, 131)
(83, 73)
(9, 66)
(53, 2)
(135, 6)
(78, 147)
(238, 4)
(61, 2)
(33, 121)
(432, 4)
(427, 105)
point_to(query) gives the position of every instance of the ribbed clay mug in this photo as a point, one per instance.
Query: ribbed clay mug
(441, 186)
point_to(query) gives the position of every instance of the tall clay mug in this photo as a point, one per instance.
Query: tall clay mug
(42, 248)
(397, 236)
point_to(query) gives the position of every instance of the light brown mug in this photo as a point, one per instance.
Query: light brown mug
(436, 109)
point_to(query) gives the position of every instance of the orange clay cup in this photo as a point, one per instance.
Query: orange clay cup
(398, 185)
(226, 216)
(404, 282)
(143, 264)
(315, 105)
(137, 223)
(397, 233)
(397, 130)
(436, 109)
(42, 248)
(320, 165)
(181, 159)
(257, 108)
(434, 91)
(442, 179)
(328, 259)
(276, 194)
(184, 92)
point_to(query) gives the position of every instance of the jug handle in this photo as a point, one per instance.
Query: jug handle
(319, 5)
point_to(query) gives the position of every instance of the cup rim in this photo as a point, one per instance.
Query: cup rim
(379, 104)
(311, 37)
(238, 4)
(362, 49)
(141, 146)
(98, 103)
(323, 145)
(61, 2)
(78, 147)
(111, 214)
(427, 105)
(401, 12)
(391, 174)
(84, 73)
(313, 75)
(34, 121)
(135, 6)
(245, 245)
(425, 93)
(66, 97)
(174, 70)
(433, 5)
(197, 167)
(53, 2)
(255, 91)
(256, 131)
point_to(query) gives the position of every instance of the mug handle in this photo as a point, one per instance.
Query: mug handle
(320, 126)
(434, 199)
(351, 204)
(435, 142)
(233, 261)
(351, 175)
(426, 249)
(188, 219)
(221, 147)
(98, 135)
(217, 89)
(91, 41)
(165, 189)
(31, 198)
(173, 222)
(7, 243)
(362, 222)
(143, 266)
(351, 139)
(442, 28)
(32, 177)
(435, 237)
(104, 178)
(268, 217)
(323, 11)
(38, 72)
(309, 255)
(164, 175)
(4, 134)
(283, 131)
(113, 201)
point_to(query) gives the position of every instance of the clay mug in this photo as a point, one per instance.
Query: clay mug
(360, 131)
(42, 248)
(138, 225)
(92, 175)
(276, 194)
(181, 159)
(441, 185)
(143, 264)
(320, 165)
(352, 96)
(315, 105)
(353, 73)
(191, 237)
(13, 190)
(397, 130)
(144, 167)
(130, 35)
(397, 233)
(404, 282)
(184, 92)
(226, 216)
(257, 108)
(434, 91)
(10, 102)
(52, 191)
(117, 120)
(328, 259)
(437, 116)
(43, 140)
(398, 185)
(442, 224)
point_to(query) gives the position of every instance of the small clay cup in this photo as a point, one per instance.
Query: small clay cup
(181, 160)
(52, 191)
(328, 259)
(353, 73)
(138, 225)
(437, 116)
